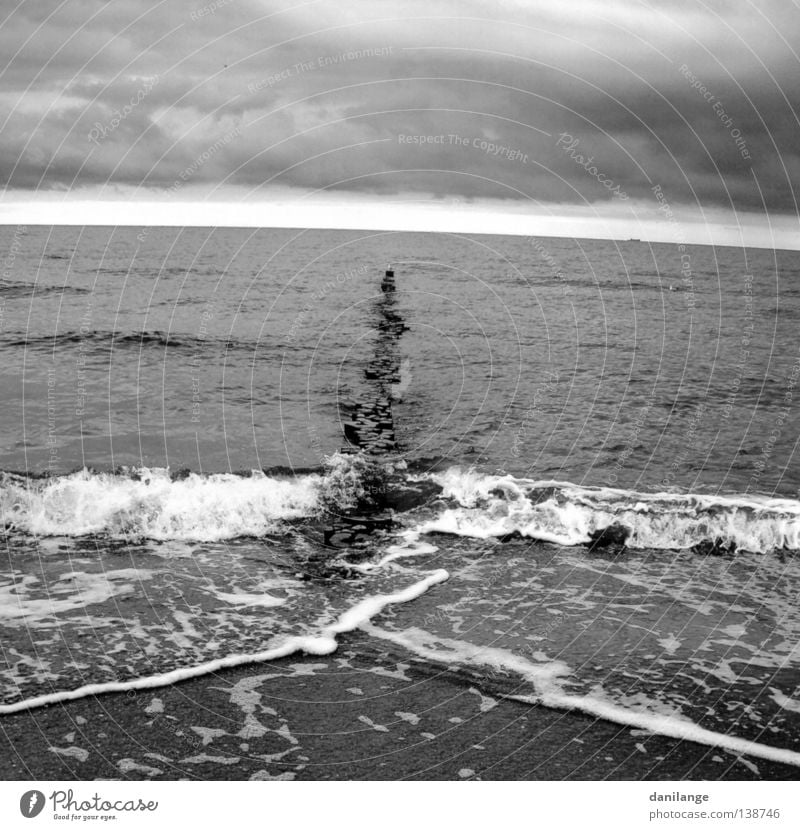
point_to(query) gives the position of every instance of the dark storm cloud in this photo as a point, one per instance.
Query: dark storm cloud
(456, 99)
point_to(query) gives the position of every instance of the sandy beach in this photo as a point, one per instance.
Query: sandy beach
(343, 718)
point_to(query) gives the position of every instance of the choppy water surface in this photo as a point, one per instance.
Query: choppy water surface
(588, 496)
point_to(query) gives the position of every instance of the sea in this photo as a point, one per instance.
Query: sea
(227, 446)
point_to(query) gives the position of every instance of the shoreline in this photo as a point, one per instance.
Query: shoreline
(344, 717)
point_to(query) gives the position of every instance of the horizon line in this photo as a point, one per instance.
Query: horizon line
(549, 235)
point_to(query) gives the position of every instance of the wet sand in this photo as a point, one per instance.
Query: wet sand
(355, 715)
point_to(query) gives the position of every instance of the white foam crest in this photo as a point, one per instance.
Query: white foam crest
(150, 504)
(481, 524)
(353, 479)
(322, 643)
(410, 546)
(567, 514)
(545, 680)
(469, 487)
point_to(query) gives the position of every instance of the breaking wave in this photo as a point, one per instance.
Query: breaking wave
(154, 504)
(484, 506)
(149, 503)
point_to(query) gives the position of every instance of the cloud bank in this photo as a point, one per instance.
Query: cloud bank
(585, 103)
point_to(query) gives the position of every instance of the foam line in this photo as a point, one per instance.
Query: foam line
(362, 613)
(545, 680)
(324, 643)
(410, 547)
(663, 725)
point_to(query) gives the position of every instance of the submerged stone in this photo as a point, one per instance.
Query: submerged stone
(614, 534)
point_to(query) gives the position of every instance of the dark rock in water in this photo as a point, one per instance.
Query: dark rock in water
(407, 496)
(719, 547)
(614, 534)
(339, 540)
(351, 434)
(501, 493)
(540, 494)
(514, 536)
(369, 523)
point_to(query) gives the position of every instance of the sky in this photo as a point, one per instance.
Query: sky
(675, 120)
